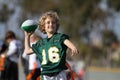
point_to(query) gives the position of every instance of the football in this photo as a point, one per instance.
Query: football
(29, 25)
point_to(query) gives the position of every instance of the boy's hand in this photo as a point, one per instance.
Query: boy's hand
(74, 52)
(28, 34)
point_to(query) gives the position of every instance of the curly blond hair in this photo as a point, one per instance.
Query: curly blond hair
(42, 19)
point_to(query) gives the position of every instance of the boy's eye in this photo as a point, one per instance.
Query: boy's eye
(53, 22)
(48, 22)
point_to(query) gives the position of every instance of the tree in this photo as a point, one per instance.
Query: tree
(77, 18)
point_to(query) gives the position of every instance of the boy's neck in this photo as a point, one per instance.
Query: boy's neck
(50, 35)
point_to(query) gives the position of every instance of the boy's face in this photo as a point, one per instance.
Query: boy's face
(50, 25)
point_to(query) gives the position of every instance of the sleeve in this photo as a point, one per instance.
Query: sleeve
(35, 48)
(25, 56)
(64, 37)
(11, 49)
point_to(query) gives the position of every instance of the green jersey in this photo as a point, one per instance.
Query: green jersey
(51, 53)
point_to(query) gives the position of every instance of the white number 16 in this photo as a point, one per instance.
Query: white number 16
(53, 55)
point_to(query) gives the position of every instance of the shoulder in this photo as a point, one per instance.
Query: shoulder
(16, 41)
(13, 42)
(39, 42)
(61, 35)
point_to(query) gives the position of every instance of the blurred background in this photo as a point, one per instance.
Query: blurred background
(93, 26)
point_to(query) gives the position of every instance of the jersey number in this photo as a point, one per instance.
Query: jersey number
(53, 55)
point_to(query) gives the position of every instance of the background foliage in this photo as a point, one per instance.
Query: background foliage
(78, 18)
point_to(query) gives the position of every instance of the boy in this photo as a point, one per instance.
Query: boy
(51, 51)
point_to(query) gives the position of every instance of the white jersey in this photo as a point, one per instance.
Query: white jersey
(15, 46)
(32, 59)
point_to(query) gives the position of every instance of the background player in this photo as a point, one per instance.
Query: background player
(12, 55)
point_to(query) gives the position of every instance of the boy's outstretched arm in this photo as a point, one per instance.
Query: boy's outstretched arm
(70, 45)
